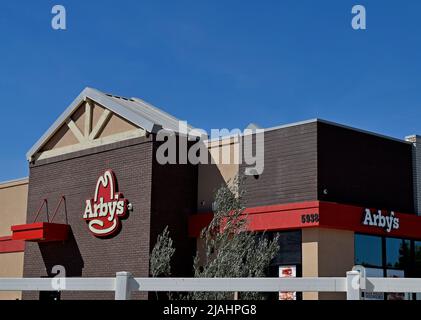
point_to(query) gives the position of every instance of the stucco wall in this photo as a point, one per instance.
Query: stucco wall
(11, 266)
(223, 166)
(326, 253)
(13, 199)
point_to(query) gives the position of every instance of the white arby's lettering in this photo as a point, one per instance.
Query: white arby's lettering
(104, 211)
(388, 223)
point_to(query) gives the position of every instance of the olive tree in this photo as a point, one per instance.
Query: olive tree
(160, 259)
(230, 249)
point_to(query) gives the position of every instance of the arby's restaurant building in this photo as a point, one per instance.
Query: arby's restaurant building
(96, 198)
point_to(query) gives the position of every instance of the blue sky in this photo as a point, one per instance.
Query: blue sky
(214, 63)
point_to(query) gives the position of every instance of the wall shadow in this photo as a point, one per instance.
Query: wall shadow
(63, 253)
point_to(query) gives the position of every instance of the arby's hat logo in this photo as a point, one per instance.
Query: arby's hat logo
(104, 211)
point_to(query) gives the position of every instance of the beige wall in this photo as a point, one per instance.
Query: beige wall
(116, 125)
(225, 155)
(326, 253)
(13, 199)
(65, 140)
(97, 111)
(11, 266)
(310, 257)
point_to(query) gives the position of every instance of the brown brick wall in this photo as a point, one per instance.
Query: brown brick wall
(161, 195)
(329, 162)
(174, 198)
(290, 172)
(364, 169)
(75, 177)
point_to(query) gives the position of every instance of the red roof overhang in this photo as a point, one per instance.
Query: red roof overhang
(8, 245)
(313, 214)
(40, 232)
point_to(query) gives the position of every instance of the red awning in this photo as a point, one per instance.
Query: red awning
(8, 245)
(41, 232)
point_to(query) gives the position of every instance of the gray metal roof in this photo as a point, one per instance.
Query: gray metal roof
(336, 125)
(133, 110)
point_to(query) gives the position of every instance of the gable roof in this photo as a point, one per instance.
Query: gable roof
(134, 110)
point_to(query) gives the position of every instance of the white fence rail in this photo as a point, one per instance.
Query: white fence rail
(410, 285)
(124, 284)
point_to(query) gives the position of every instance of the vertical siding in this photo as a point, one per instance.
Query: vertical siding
(416, 170)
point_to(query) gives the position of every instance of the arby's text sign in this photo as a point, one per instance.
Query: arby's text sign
(322, 214)
(379, 220)
(104, 211)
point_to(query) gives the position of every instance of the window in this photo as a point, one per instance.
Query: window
(368, 250)
(388, 257)
(289, 248)
(417, 247)
(289, 254)
(398, 253)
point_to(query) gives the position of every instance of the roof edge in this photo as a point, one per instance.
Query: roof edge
(14, 182)
(363, 131)
(315, 120)
(100, 98)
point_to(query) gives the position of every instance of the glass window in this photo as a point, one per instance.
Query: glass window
(417, 246)
(398, 253)
(368, 250)
(289, 248)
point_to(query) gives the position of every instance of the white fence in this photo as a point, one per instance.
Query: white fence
(124, 284)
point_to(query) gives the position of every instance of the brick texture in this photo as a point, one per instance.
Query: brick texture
(167, 195)
(290, 172)
(327, 162)
(174, 199)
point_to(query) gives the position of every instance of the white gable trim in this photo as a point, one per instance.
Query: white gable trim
(105, 101)
(91, 144)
